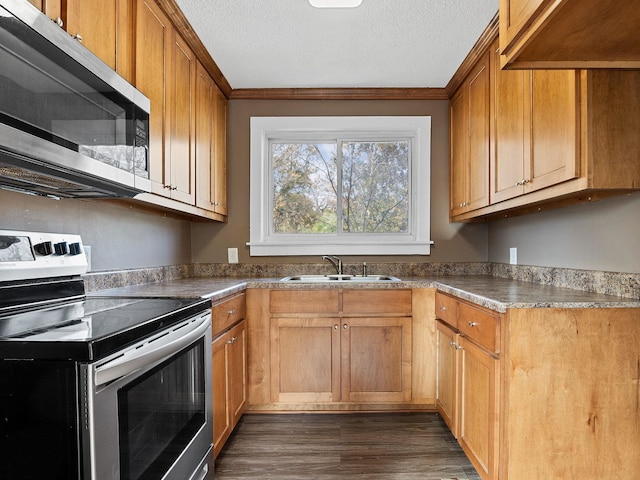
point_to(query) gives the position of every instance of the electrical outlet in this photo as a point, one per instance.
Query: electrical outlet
(513, 256)
(232, 254)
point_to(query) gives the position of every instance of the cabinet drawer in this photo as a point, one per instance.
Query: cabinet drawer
(304, 301)
(447, 309)
(376, 301)
(227, 312)
(480, 325)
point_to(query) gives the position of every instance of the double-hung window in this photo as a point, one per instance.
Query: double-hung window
(340, 185)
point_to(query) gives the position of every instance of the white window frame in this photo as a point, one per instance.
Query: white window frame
(264, 242)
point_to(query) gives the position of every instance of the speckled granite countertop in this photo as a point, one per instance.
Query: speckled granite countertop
(495, 293)
(206, 287)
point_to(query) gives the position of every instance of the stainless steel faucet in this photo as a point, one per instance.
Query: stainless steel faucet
(335, 261)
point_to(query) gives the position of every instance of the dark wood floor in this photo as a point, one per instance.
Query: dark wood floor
(380, 446)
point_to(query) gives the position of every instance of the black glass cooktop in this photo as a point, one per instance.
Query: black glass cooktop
(89, 329)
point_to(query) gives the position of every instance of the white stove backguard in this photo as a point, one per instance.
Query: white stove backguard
(33, 255)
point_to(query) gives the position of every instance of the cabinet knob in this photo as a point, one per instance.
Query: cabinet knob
(58, 21)
(335, 327)
(458, 347)
(473, 324)
(443, 308)
(232, 341)
(78, 37)
(345, 326)
(231, 312)
(452, 343)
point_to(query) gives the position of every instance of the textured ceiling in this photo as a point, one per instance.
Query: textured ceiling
(382, 43)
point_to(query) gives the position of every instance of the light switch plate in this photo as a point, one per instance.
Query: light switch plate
(232, 254)
(513, 256)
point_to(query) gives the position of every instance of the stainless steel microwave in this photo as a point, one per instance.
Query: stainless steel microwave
(70, 126)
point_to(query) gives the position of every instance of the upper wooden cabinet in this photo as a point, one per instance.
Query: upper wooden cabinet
(188, 120)
(469, 131)
(165, 72)
(569, 34)
(534, 133)
(557, 137)
(211, 144)
(105, 28)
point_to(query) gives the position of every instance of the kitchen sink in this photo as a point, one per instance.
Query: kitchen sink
(339, 278)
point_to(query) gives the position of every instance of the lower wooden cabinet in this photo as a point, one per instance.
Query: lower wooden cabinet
(320, 349)
(478, 430)
(447, 375)
(229, 382)
(305, 360)
(468, 376)
(351, 359)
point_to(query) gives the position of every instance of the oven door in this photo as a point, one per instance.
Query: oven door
(148, 409)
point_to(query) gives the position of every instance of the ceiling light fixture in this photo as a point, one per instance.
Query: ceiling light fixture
(335, 3)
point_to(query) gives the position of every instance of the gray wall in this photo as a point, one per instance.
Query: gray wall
(453, 242)
(602, 235)
(120, 237)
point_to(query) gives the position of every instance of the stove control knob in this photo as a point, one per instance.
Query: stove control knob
(61, 248)
(75, 249)
(44, 248)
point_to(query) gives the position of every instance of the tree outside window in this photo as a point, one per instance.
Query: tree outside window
(345, 187)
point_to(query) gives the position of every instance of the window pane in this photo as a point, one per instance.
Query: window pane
(375, 187)
(304, 187)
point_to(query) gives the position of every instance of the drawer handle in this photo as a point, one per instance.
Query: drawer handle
(473, 324)
(231, 312)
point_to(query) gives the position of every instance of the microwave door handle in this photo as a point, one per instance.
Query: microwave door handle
(163, 347)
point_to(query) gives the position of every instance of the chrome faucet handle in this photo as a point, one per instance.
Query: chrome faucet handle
(335, 261)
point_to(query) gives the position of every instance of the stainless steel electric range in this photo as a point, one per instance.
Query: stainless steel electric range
(97, 388)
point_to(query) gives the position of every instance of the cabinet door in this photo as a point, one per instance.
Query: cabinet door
(204, 131)
(447, 376)
(220, 371)
(153, 61)
(469, 117)
(180, 167)
(510, 138)
(459, 146)
(305, 360)
(479, 120)
(237, 372)
(478, 434)
(376, 359)
(555, 137)
(219, 165)
(105, 28)
(211, 144)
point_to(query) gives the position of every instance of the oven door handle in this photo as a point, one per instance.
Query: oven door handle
(152, 350)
